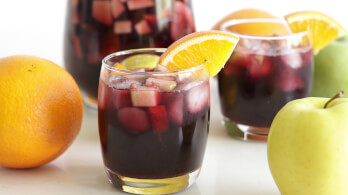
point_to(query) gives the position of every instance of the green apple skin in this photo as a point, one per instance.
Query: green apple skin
(331, 69)
(308, 147)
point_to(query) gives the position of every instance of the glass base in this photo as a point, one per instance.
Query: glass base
(152, 186)
(90, 101)
(246, 132)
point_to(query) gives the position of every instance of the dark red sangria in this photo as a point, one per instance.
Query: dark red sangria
(96, 28)
(153, 122)
(261, 76)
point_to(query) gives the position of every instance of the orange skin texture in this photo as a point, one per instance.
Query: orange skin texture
(262, 29)
(41, 111)
(242, 14)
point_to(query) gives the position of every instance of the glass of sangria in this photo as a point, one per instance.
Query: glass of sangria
(97, 28)
(261, 76)
(153, 122)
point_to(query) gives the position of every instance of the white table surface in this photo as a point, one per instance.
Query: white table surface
(230, 166)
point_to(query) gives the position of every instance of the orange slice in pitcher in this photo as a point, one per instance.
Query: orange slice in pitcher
(323, 29)
(212, 48)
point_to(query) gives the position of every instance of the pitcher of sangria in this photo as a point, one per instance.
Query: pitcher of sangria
(96, 28)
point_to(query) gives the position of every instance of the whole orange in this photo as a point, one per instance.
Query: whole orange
(41, 111)
(260, 28)
(242, 14)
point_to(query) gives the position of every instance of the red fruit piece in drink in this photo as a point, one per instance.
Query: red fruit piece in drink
(123, 27)
(142, 27)
(175, 109)
(117, 8)
(133, 119)
(292, 60)
(76, 18)
(151, 19)
(198, 98)
(145, 96)
(121, 98)
(159, 119)
(259, 66)
(139, 4)
(288, 81)
(166, 97)
(77, 47)
(101, 11)
(182, 23)
(234, 64)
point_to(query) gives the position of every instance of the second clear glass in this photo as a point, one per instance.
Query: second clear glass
(261, 76)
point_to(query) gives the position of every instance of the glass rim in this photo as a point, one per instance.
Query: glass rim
(232, 22)
(141, 51)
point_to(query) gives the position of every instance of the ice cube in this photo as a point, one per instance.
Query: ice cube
(198, 98)
(175, 109)
(120, 82)
(293, 60)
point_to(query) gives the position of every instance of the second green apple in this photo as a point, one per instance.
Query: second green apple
(331, 69)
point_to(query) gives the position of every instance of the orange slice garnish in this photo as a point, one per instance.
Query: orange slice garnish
(211, 48)
(323, 29)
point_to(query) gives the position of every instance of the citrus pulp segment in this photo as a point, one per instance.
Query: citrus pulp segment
(212, 48)
(323, 29)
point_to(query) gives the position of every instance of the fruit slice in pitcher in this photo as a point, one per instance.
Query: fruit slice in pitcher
(182, 23)
(117, 8)
(139, 4)
(101, 12)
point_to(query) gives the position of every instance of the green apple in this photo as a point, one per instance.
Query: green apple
(331, 69)
(308, 147)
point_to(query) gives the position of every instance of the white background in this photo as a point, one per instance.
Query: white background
(230, 166)
(36, 27)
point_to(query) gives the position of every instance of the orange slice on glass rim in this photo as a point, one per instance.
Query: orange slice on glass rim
(323, 29)
(211, 48)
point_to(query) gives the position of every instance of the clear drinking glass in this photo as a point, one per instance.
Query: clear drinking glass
(261, 76)
(153, 123)
(97, 28)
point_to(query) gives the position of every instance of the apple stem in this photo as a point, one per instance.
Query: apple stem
(340, 94)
